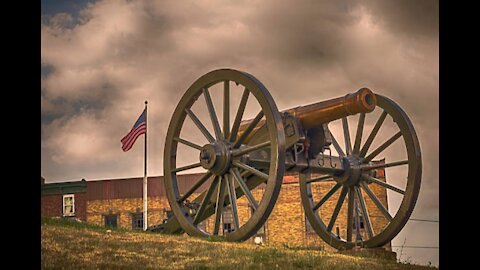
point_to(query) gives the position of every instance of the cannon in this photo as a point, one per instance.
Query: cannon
(242, 155)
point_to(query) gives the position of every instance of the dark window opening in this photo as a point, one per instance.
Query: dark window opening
(168, 213)
(227, 228)
(362, 226)
(261, 236)
(203, 225)
(261, 230)
(137, 221)
(227, 217)
(308, 227)
(111, 221)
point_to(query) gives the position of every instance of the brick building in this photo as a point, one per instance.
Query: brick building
(118, 203)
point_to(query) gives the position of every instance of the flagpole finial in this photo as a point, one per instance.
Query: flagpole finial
(146, 102)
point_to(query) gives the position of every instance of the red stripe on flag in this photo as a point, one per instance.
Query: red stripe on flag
(131, 137)
(131, 132)
(131, 140)
(130, 143)
(135, 133)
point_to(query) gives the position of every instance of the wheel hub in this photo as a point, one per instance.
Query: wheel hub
(352, 171)
(216, 157)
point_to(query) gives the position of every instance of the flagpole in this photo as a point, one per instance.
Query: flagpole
(145, 214)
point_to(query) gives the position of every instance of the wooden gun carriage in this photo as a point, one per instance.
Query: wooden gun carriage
(241, 155)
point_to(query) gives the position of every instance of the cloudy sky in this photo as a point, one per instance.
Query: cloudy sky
(102, 59)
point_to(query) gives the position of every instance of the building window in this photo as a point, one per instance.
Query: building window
(308, 227)
(261, 236)
(358, 216)
(137, 221)
(360, 221)
(69, 205)
(168, 213)
(227, 215)
(203, 225)
(111, 220)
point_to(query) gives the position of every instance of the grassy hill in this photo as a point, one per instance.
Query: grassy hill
(69, 244)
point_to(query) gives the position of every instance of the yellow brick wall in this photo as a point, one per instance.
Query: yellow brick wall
(286, 223)
(285, 226)
(124, 208)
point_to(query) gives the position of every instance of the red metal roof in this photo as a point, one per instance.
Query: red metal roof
(133, 187)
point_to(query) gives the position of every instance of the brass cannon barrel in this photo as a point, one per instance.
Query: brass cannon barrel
(315, 114)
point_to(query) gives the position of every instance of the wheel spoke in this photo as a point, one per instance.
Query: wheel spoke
(233, 199)
(337, 209)
(195, 187)
(205, 201)
(188, 143)
(376, 201)
(188, 167)
(346, 135)
(226, 109)
(383, 146)
(239, 115)
(250, 169)
(381, 183)
(219, 205)
(368, 167)
(337, 146)
(243, 186)
(213, 114)
(372, 135)
(200, 126)
(248, 130)
(327, 196)
(249, 149)
(351, 205)
(358, 137)
(358, 234)
(319, 179)
(366, 217)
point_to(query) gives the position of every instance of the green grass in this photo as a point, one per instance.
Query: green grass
(73, 245)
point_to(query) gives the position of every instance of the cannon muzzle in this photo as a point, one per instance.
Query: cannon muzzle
(312, 115)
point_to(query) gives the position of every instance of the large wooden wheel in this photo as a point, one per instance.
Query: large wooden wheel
(223, 156)
(357, 182)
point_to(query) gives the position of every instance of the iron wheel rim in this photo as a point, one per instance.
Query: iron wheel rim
(277, 151)
(407, 205)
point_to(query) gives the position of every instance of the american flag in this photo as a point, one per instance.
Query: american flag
(138, 129)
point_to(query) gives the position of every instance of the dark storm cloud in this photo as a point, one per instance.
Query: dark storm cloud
(307, 34)
(409, 17)
(117, 54)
